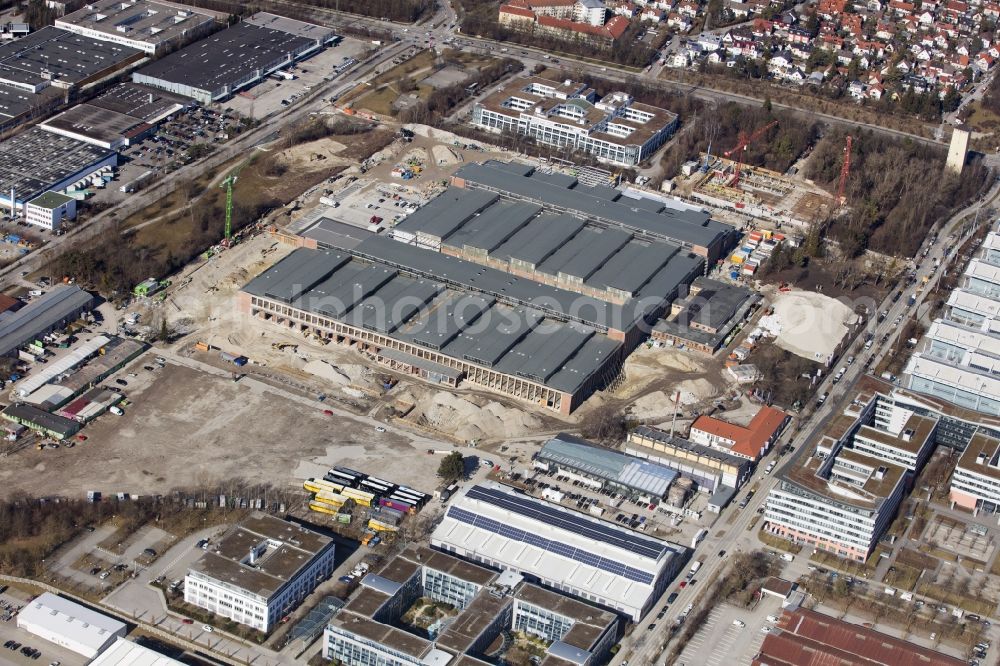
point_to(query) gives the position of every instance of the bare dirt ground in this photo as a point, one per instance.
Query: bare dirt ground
(655, 376)
(189, 427)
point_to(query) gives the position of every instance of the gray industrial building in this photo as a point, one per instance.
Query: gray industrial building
(605, 207)
(37, 70)
(118, 116)
(705, 318)
(578, 292)
(555, 248)
(141, 102)
(221, 64)
(151, 27)
(601, 468)
(523, 338)
(48, 312)
(37, 161)
(54, 57)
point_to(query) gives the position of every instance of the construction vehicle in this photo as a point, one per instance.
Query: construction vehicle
(741, 146)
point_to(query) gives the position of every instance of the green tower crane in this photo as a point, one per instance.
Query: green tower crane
(228, 185)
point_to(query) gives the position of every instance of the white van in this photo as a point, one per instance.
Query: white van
(117, 411)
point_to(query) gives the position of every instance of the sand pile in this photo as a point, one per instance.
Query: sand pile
(812, 325)
(466, 420)
(445, 156)
(327, 372)
(652, 407)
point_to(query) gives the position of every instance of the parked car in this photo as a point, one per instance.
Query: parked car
(207, 628)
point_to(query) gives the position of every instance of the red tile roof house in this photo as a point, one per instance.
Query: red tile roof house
(751, 441)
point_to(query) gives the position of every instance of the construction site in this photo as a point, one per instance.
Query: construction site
(724, 182)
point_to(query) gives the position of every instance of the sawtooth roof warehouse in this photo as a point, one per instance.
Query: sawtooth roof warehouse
(532, 299)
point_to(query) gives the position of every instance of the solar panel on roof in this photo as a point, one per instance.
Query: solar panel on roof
(576, 554)
(568, 521)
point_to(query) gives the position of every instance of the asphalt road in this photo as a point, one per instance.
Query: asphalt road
(243, 144)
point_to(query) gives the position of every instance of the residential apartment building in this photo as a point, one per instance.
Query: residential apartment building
(845, 494)
(615, 129)
(565, 19)
(259, 571)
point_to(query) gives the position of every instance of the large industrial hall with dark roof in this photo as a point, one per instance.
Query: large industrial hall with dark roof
(529, 298)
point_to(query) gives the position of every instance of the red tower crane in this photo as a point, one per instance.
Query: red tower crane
(741, 146)
(845, 171)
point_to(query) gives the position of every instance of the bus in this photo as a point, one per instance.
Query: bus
(403, 503)
(321, 485)
(334, 500)
(418, 497)
(322, 508)
(376, 487)
(351, 472)
(336, 476)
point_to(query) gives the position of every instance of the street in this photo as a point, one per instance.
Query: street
(734, 535)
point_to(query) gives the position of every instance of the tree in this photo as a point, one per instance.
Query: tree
(164, 333)
(452, 468)
(605, 424)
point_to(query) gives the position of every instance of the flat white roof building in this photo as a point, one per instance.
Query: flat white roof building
(259, 571)
(614, 129)
(127, 653)
(975, 485)
(970, 308)
(845, 493)
(151, 27)
(69, 624)
(565, 550)
(959, 360)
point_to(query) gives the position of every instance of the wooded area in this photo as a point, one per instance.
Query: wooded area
(32, 528)
(896, 192)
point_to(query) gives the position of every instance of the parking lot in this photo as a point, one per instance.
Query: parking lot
(363, 200)
(722, 641)
(267, 97)
(13, 599)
